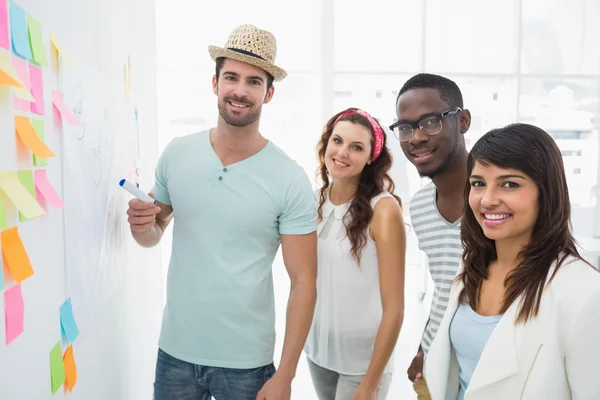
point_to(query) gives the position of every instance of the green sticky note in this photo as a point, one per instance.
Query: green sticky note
(2, 218)
(38, 127)
(26, 178)
(35, 40)
(57, 368)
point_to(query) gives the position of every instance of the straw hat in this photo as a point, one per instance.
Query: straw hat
(251, 45)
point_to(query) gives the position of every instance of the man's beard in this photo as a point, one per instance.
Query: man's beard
(238, 121)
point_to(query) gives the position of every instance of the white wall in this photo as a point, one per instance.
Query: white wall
(116, 349)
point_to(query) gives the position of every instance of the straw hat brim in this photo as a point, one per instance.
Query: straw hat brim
(216, 52)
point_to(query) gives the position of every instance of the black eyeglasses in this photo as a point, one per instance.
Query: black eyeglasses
(430, 124)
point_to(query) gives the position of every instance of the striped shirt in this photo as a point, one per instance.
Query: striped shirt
(440, 240)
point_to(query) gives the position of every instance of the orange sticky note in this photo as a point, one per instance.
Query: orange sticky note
(7, 80)
(70, 369)
(30, 138)
(15, 255)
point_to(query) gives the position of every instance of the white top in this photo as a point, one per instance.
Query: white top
(348, 310)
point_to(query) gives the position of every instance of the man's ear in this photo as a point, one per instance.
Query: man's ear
(465, 121)
(215, 84)
(269, 94)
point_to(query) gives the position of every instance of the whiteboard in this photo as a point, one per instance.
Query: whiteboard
(85, 252)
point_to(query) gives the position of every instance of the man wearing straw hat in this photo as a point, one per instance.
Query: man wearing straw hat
(235, 197)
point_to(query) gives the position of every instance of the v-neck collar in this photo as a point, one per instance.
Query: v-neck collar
(241, 162)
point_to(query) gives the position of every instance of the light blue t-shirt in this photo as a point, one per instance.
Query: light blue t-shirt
(469, 333)
(227, 221)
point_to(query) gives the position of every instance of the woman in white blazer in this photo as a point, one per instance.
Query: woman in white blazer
(523, 319)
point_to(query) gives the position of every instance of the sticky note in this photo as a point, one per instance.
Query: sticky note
(35, 40)
(38, 127)
(57, 44)
(67, 321)
(15, 255)
(7, 277)
(18, 195)
(57, 368)
(26, 179)
(20, 33)
(58, 99)
(30, 138)
(22, 96)
(70, 369)
(14, 311)
(4, 25)
(2, 215)
(45, 188)
(8, 75)
(37, 89)
(1, 273)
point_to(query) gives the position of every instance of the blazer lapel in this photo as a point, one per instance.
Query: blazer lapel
(499, 358)
(509, 353)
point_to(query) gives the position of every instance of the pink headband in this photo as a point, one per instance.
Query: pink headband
(378, 133)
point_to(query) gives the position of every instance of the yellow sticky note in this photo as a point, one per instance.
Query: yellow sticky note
(30, 138)
(26, 179)
(19, 196)
(56, 42)
(8, 75)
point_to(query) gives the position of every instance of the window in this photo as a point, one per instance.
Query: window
(560, 37)
(471, 36)
(378, 36)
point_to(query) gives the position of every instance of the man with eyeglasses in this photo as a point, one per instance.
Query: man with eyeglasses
(431, 125)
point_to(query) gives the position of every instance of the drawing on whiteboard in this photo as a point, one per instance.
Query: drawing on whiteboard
(90, 164)
(94, 148)
(79, 131)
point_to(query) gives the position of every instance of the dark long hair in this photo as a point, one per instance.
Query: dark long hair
(374, 179)
(531, 150)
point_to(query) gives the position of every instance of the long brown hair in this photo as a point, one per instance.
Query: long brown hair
(374, 179)
(531, 150)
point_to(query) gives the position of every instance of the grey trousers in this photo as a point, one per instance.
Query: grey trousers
(331, 385)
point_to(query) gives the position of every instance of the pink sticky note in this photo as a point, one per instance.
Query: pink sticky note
(45, 188)
(4, 25)
(37, 89)
(14, 311)
(22, 68)
(40, 199)
(58, 99)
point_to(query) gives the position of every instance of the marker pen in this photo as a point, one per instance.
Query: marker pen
(134, 190)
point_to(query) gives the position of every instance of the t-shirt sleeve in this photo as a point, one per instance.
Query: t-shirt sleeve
(160, 190)
(299, 215)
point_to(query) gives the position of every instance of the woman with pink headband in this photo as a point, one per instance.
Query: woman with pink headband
(361, 247)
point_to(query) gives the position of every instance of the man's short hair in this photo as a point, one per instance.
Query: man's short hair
(219, 65)
(449, 91)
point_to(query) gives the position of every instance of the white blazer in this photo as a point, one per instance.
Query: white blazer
(555, 356)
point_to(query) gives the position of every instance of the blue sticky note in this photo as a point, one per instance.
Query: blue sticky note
(19, 32)
(67, 321)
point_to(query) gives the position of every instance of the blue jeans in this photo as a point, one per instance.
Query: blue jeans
(180, 380)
